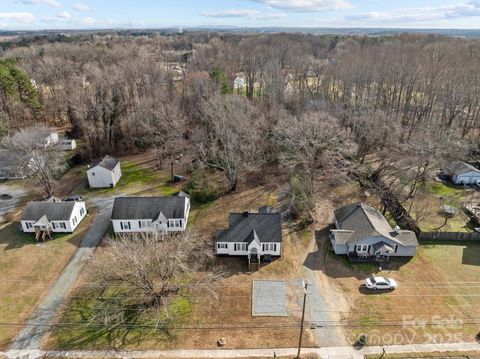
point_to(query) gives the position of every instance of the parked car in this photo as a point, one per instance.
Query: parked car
(375, 283)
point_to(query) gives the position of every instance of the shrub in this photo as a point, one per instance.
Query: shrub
(201, 188)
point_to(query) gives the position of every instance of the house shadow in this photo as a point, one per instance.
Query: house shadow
(12, 237)
(471, 254)
(315, 260)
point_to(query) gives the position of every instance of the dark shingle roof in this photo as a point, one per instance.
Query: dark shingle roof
(55, 211)
(363, 221)
(460, 167)
(244, 226)
(108, 162)
(148, 207)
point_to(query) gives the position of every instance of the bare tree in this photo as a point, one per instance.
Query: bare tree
(231, 136)
(40, 160)
(149, 272)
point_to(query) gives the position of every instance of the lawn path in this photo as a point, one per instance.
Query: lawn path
(38, 326)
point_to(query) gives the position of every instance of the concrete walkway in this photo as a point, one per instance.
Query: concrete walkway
(325, 353)
(37, 327)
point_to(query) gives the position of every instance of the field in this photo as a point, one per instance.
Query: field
(28, 270)
(437, 298)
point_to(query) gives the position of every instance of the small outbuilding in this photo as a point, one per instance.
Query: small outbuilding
(462, 173)
(105, 173)
(67, 145)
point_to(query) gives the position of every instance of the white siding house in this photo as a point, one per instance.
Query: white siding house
(253, 235)
(462, 173)
(362, 233)
(150, 214)
(105, 173)
(56, 217)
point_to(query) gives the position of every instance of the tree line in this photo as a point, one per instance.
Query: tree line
(389, 109)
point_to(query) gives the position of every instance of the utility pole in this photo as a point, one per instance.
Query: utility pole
(305, 292)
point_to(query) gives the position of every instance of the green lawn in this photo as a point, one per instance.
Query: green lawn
(136, 179)
(138, 331)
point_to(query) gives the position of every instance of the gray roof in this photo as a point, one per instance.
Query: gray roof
(148, 207)
(246, 227)
(460, 167)
(108, 162)
(55, 211)
(359, 221)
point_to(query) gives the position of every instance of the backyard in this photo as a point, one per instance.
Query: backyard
(426, 208)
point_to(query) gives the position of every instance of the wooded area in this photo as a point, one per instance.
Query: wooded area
(385, 110)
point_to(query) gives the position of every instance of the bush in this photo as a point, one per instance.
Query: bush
(201, 188)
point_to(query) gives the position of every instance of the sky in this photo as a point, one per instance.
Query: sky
(89, 14)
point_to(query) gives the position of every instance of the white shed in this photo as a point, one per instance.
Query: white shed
(462, 173)
(67, 145)
(105, 173)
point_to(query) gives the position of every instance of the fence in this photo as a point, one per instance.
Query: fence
(449, 236)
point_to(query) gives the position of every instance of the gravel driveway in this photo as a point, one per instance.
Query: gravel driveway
(38, 326)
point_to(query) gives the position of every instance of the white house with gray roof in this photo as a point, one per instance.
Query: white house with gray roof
(251, 234)
(150, 214)
(462, 173)
(362, 232)
(52, 216)
(105, 173)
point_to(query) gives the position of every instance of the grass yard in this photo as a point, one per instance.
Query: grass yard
(139, 177)
(28, 270)
(428, 203)
(226, 315)
(439, 286)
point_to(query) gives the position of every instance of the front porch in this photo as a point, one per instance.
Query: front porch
(367, 258)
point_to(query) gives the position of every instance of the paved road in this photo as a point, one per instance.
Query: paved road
(317, 310)
(325, 353)
(37, 327)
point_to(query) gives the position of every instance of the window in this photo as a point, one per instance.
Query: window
(93, 173)
(62, 225)
(269, 247)
(53, 225)
(74, 220)
(222, 245)
(82, 211)
(142, 224)
(362, 247)
(29, 225)
(240, 247)
(175, 223)
(125, 225)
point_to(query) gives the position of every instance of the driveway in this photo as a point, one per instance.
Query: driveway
(317, 310)
(38, 326)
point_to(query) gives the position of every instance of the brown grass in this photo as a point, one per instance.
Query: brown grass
(28, 270)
